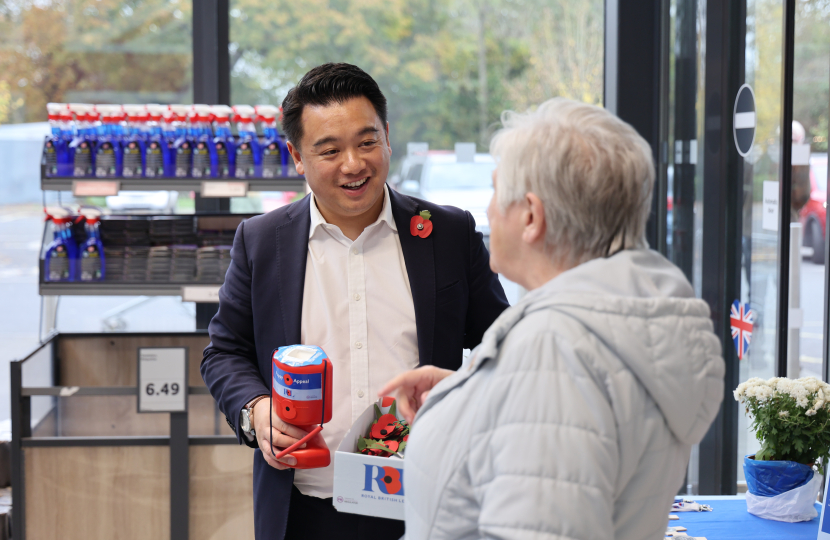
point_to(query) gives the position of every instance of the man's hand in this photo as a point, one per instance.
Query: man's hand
(413, 388)
(281, 434)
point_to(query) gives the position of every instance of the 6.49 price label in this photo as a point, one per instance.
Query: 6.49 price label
(162, 379)
(171, 389)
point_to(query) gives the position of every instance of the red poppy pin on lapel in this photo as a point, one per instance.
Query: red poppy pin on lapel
(421, 225)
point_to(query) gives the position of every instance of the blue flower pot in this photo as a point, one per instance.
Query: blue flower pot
(770, 478)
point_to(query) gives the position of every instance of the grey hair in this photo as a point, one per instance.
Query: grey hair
(593, 173)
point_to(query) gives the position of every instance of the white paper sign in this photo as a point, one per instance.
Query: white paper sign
(201, 293)
(162, 379)
(770, 207)
(801, 154)
(224, 189)
(94, 188)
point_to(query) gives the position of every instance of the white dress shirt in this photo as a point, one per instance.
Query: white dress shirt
(357, 306)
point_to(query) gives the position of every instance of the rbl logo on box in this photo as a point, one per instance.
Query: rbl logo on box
(388, 480)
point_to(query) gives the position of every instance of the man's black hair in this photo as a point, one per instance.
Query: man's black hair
(325, 85)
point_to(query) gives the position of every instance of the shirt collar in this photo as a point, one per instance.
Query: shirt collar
(317, 219)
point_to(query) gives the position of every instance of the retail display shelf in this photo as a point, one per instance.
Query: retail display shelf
(285, 183)
(122, 289)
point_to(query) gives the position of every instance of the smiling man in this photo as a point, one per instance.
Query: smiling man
(349, 270)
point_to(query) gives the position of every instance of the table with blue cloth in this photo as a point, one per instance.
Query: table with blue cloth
(729, 520)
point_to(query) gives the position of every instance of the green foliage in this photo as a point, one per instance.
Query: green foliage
(818, 134)
(99, 51)
(811, 69)
(448, 69)
(790, 418)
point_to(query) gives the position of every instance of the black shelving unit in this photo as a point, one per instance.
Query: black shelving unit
(66, 183)
(190, 244)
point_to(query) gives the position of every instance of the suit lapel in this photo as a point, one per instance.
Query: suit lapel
(292, 252)
(420, 266)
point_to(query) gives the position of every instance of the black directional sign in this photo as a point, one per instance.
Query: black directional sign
(743, 121)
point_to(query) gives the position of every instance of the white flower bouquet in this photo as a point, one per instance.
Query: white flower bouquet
(790, 418)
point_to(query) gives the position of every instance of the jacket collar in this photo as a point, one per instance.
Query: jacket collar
(291, 254)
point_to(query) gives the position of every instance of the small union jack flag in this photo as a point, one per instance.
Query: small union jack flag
(741, 320)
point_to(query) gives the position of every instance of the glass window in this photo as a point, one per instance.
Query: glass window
(809, 195)
(91, 51)
(760, 261)
(448, 69)
(458, 175)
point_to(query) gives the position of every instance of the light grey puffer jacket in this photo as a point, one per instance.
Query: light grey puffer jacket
(575, 416)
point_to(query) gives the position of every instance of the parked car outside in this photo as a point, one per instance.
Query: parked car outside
(437, 176)
(814, 213)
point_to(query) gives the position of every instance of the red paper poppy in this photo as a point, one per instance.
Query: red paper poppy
(421, 225)
(287, 378)
(382, 431)
(386, 419)
(391, 445)
(406, 438)
(392, 480)
(387, 401)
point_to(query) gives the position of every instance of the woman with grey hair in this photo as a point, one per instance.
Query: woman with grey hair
(575, 416)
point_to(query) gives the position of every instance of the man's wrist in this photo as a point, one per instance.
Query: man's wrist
(247, 415)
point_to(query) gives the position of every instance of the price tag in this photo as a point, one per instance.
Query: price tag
(162, 379)
(205, 294)
(224, 189)
(95, 188)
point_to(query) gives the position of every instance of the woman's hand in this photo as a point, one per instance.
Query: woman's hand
(413, 388)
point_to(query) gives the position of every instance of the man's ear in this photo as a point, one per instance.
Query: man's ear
(533, 220)
(388, 144)
(298, 158)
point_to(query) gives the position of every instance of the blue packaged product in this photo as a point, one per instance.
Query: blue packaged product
(274, 149)
(60, 259)
(108, 151)
(223, 142)
(204, 152)
(155, 158)
(81, 147)
(169, 133)
(134, 142)
(248, 150)
(91, 263)
(54, 150)
(182, 147)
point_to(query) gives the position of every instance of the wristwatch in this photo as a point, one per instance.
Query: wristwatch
(247, 417)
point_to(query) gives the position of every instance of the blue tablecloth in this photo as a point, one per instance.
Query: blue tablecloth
(729, 520)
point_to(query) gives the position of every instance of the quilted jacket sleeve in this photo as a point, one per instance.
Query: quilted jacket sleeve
(546, 468)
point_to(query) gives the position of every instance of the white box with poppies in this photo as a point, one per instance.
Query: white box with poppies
(364, 484)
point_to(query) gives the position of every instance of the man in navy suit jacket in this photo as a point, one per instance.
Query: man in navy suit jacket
(335, 121)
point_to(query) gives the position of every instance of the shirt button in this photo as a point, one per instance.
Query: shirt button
(354, 252)
(356, 297)
(359, 345)
(360, 393)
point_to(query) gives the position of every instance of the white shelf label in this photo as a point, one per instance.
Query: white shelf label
(95, 188)
(162, 379)
(224, 189)
(201, 293)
